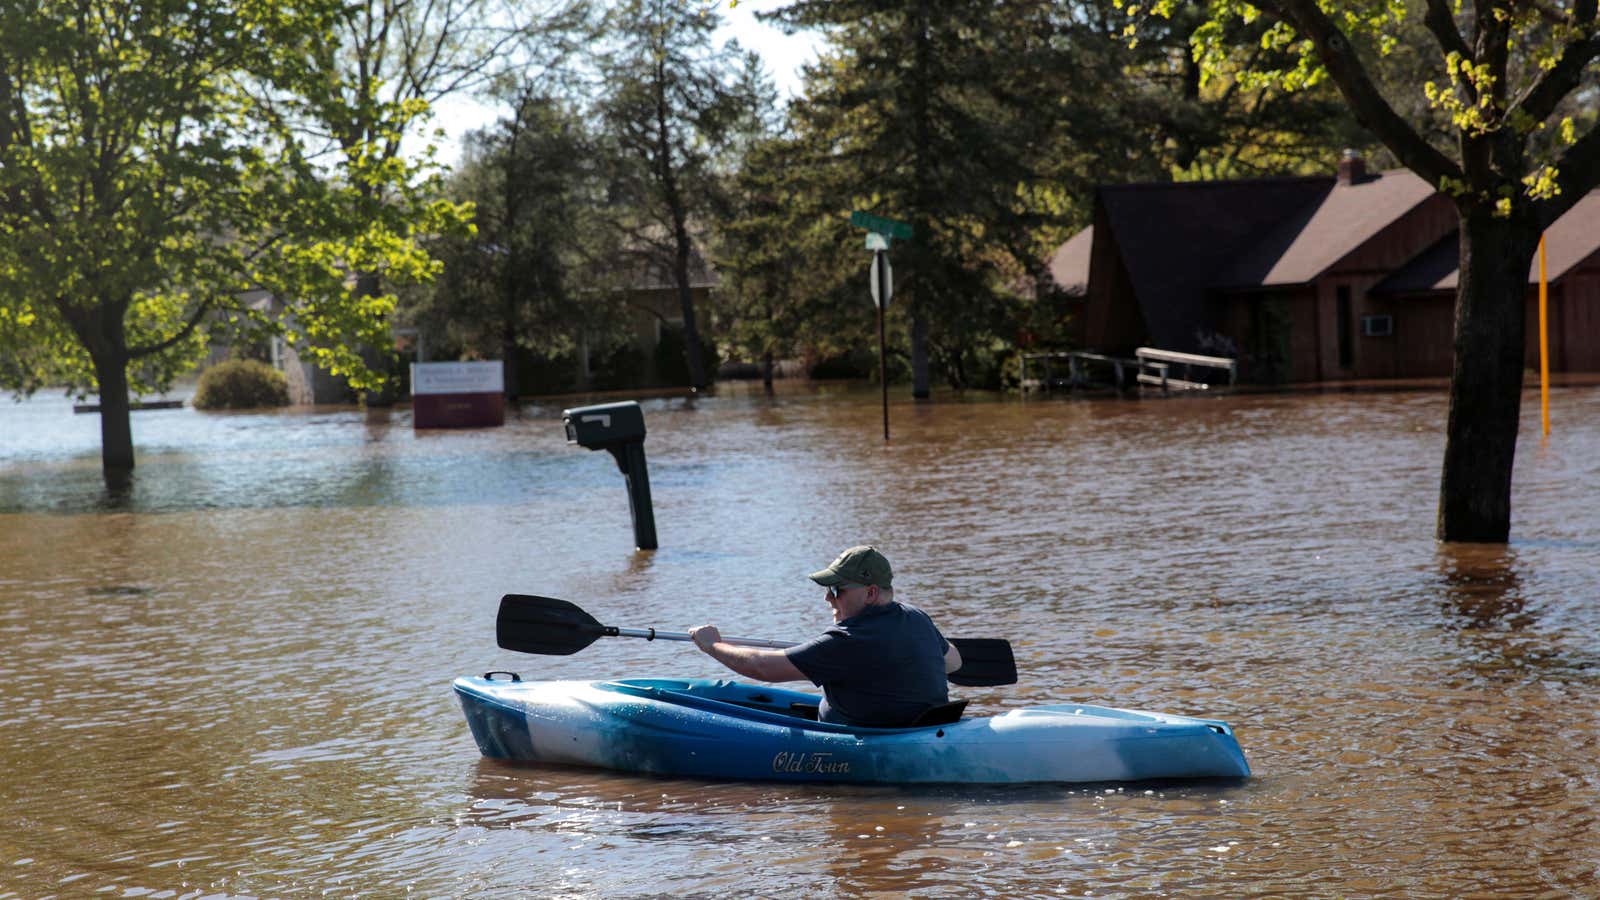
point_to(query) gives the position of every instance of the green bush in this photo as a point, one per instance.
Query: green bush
(241, 384)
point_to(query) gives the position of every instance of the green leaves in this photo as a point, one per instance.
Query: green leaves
(155, 167)
(1502, 81)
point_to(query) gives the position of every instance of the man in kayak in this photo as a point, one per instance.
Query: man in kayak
(883, 663)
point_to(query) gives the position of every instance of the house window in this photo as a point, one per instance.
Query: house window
(1377, 326)
(1346, 342)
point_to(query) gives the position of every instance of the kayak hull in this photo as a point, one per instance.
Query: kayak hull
(725, 729)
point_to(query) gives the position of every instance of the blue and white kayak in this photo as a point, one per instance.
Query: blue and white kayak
(727, 729)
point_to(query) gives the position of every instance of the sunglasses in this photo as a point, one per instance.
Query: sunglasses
(834, 590)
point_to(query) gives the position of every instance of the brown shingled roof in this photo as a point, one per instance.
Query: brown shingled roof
(1346, 217)
(1573, 238)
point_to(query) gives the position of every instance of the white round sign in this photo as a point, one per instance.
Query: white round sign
(882, 280)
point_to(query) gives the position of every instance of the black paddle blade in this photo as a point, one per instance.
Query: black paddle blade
(545, 625)
(984, 662)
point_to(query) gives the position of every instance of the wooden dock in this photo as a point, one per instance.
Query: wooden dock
(135, 405)
(1156, 369)
(1166, 370)
(1082, 367)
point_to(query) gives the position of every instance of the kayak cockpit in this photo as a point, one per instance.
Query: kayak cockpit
(758, 702)
(778, 701)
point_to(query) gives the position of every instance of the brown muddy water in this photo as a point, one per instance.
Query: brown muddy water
(234, 678)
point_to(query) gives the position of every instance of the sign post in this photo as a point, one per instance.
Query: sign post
(879, 232)
(882, 289)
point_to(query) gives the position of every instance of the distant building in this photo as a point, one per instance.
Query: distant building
(308, 383)
(1347, 276)
(654, 322)
(651, 292)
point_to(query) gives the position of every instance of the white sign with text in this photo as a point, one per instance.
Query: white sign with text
(458, 378)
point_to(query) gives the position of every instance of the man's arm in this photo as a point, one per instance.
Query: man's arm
(751, 662)
(952, 659)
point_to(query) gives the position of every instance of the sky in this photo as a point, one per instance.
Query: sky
(783, 55)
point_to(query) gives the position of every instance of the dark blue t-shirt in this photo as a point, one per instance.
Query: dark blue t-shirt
(883, 666)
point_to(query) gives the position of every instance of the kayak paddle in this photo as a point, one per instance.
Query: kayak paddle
(545, 625)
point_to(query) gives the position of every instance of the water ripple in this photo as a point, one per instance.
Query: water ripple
(232, 678)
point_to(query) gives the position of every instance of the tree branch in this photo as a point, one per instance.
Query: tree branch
(1442, 22)
(187, 329)
(1541, 97)
(1371, 109)
(1577, 173)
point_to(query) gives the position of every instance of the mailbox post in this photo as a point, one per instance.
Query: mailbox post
(619, 428)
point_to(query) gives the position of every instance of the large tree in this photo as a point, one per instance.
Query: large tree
(1516, 86)
(675, 104)
(761, 257)
(368, 91)
(141, 193)
(923, 119)
(531, 281)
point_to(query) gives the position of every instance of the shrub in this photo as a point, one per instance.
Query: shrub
(851, 364)
(241, 384)
(672, 357)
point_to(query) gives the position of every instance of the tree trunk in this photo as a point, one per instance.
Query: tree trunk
(508, 371)
(920, 42)
(691, 331)
(116, 432)
(667, 179)
(919, 354)
(1486, 382)
(103, 333)
(379, 359)
(508, 361)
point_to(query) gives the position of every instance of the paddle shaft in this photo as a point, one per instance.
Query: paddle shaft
(650, 634)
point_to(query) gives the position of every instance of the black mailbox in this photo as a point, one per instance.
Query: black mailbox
(597, 427)
(619, 429)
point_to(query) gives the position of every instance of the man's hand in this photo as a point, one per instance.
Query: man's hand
(704, 636)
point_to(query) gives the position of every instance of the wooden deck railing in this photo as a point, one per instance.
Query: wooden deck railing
(1156, 369)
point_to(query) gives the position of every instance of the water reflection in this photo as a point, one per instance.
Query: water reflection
(1487, 600)
(118, 492)
(1482, 585)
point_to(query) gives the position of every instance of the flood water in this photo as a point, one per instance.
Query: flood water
(233, 677)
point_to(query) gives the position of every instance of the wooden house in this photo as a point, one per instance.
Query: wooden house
(1323, 278)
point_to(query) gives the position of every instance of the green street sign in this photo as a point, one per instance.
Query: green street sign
(880, 225)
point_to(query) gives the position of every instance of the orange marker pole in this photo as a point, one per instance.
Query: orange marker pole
(1544, 341)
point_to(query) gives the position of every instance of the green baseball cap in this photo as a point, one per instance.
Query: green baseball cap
(858, 565)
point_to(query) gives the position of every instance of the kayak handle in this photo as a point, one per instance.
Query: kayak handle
(490, 676)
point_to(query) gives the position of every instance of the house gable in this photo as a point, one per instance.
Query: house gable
(1174, 240)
